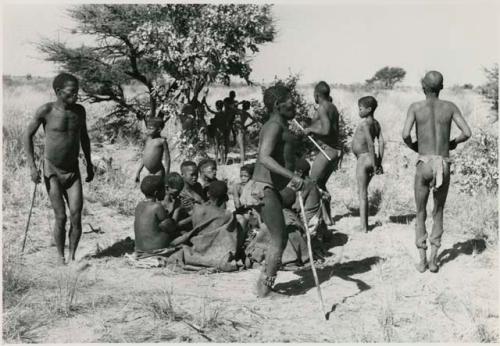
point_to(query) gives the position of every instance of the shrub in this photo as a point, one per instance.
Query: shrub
(476, 164)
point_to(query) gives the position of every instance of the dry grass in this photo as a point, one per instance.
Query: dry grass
(33, 304)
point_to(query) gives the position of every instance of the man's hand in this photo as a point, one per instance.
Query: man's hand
(35, 175)
(453, 144)
(379, 170)
(90, 172)
(297, 183)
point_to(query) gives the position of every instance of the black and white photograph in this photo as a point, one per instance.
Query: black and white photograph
(250, 172)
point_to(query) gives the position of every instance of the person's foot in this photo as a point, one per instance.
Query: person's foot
(422, 265)
(60, 260)
(433, 266)
(361, 229)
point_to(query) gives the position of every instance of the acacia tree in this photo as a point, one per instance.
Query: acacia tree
(387, 77)
(170, 50)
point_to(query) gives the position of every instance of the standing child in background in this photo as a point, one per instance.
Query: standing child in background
(156, 147)
(216, 127)
(208, 172)
(364, 148)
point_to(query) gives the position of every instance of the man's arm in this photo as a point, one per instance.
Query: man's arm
(138, 174)
(321, 127)
(270, 135)
(381, 145)
(166, 154)
(30, 131)
(369, 143)
(459, 120)
(162, 216)
(236, 196)
(409, 122)
(85, 142)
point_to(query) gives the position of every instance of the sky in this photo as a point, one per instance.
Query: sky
(340, 42)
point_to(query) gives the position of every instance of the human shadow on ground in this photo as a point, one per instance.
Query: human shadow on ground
(118, 249)
(403, 218)
(334, 239)
(466, 247)
(342, 270)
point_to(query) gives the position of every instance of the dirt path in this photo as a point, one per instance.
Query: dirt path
(369, 285)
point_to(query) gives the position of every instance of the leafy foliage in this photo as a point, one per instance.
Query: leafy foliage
(387, 77)
(490, 89)
(172, 50)
(476, 164)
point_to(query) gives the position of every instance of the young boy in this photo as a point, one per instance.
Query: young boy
(240, 126)
(208, 172)
(270, 176)
(217, 125)
(152, 227)
(192, 193)
(364, 149)
(65, 125)
(156, 147)
(433, 118)
(173, 187)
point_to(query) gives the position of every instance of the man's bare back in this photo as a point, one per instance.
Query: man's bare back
(433, 118)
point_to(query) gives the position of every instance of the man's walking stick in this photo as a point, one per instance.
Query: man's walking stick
(29, 218)
(311, 259)
(31, 208)
(313, 141)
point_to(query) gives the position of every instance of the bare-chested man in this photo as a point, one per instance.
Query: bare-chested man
(155, 149)
(325, 129)
(433, 118)
(65, 126)
(270, 176)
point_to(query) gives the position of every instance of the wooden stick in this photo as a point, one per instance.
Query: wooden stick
(29, 218)
(313, 141)
(311, 259)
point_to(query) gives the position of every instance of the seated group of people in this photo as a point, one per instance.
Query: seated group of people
(193, 224)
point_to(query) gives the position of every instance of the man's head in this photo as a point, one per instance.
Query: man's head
(288, 197)
(245, 105)
(154, 126)
(152, 187)
(278, 99)
(232, 95)
(321, 91)
(219, 104)
(367, 106)
(217, 192)
(302, 167)
(189, 172)
(66, 86)
(174, 184)
(246, 172)
(432, 82)
(208, 168)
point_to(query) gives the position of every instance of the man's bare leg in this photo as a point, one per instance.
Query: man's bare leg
(422, 175)
(321, 171)
(272, 216)
(437, 225)
(75, 202)
(56, 193)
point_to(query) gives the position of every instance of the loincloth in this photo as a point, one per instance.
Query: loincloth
(437, 163)
(64, 177)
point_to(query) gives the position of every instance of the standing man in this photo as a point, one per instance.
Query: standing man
(65, 125)
(433, 118)
(325, 129)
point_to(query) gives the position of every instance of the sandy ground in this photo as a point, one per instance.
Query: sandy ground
(370, 287)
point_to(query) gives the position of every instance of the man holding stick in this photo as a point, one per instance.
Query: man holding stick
(325, 130)
(65, 125)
